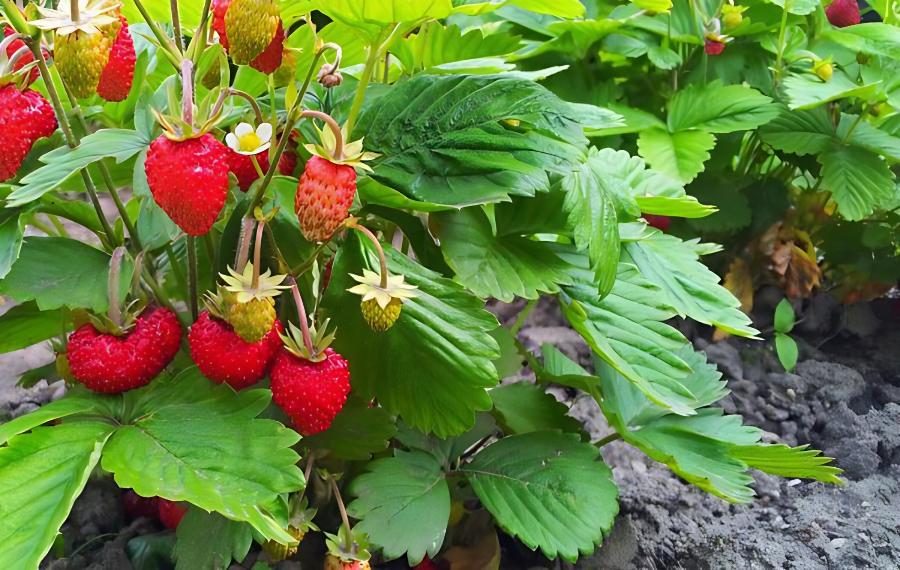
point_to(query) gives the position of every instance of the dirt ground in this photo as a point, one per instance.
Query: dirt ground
(843, 397)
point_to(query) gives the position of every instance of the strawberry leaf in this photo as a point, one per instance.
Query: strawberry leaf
(47, 469)
(717, 108)
(548, 489)
(25, 325)
(209, 540)
(680, 155)
(356, 432)
(860, 181)
(443, 330)
(524, 408)
(403, 504)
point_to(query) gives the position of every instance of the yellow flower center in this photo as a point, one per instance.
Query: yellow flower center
(249, 142)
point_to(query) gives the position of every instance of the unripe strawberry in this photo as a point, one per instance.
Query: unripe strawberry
(732, 16)
(310, 393)
(324, 196)
(270, 59)
(250, 26)
(253, 319)
(843, 13)
(118, 74)
(109, 364)
(382, 299)
(25, 117)
(824, 69)
(277, 552)
(189, 180)
(381, 319)
(82, 56)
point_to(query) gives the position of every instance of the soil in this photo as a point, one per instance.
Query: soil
(843, 398)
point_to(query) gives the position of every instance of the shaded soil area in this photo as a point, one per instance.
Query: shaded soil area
(843, 398)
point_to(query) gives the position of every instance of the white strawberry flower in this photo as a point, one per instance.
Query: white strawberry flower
(246, 140)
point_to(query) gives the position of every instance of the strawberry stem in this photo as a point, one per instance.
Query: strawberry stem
(169, 49)
(187, 92)
(335, 130)
(192, 275)
(257, 253)
(382, 260)
(243, 250)
(75, 9)
(176, 25)
(250, 99)
(348, 542)
(301, 315)
(256, 166)
(112, 287)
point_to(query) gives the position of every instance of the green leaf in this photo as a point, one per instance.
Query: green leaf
(787, 461)
(863, 134)
(12, 231)
(63, 162)
(76, 402)
(209, 540)
(873, 38)
(443, 330)
(718, 108)
(799, 7)
(786, 347)
(860, 182)
(435, 45)
(560, 8)
(592, 217)
(680, 155)
(41, 475)
(452, 139)
(24, 325)
(547, 489)
(356, 433)
(201, 443)
(626, 330)
(784, 316)
(373, 18)
(687, 284)
(502, 266)
(57, 272)
(636, 120)
(523, 408)
(800, 132)
(558, 368)
(734, 212)
(808, 92)
(662, 57)
(403, 504)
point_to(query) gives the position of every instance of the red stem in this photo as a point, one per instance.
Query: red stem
(301, 314)
(382, 260)
(335, 129)
(187, 91)
(257, 253)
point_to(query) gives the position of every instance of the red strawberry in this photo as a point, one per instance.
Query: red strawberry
(115, 81)
(843, 13)
(310, 393)
(189, 180)
(15, 46)
(324, 196)
(219, 7)
(137, 506)
(427, 564)
(661, 223)
(170, 513)
(110, 364)
(270, 60)
(713, 47)
(25, 116)
(223, 356)
(242, 166)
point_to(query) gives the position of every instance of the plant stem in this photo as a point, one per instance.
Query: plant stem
(348, 543)
(301, 315)
(359, 97)
(176, 25)
(523, 316)
(192, 275)
(259, 171)
(176, 268)
(75, 9)
(243, 249)
(165, 41)
(187, 92)
(112, 286)
(257, 253)
(780, 53)
(42, 226)
(382, 260)
(60, 229)
(338, 151)
(72, 141)
(301, 269)
(610, 438)
(853, 126)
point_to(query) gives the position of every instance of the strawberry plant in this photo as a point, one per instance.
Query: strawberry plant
(277, 327)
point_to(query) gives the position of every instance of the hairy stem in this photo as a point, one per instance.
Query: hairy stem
(75, 9)
(780, 53)
(243, 249)
(169, 49)
(187, 92)
(112, 286)
(302, 317)
(382, 260)
(176, 25)
(335, 130)
(348, 543)
(609, 438)
(257, 253)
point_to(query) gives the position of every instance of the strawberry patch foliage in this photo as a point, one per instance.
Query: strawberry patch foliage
(261, 237)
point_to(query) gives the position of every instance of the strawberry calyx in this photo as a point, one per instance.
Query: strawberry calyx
(121, 315)
(87, 16)
(331, 145)
(296, 343)
(8, 72)
(348, 545)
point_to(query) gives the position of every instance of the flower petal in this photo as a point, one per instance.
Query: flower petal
(264, 132)
(232, 141)
(243, 129)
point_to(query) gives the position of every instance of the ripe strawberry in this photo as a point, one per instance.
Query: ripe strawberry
(137, 506)
(110, 364)
(661, 223)
(427, 564)
(843, 13)
(712, 47)
(270, 59)
(189, 180)
(115, 81)
(25, 116)
(324, 196)
(251, 306)
(310, 393)
(170, 513)
(222, 356)
(247, 29)
(26, 59)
